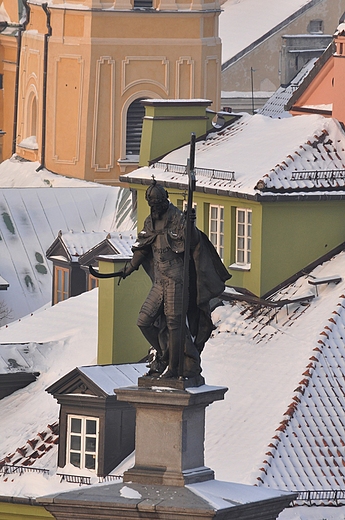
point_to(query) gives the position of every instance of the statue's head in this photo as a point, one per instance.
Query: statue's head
(157, 199)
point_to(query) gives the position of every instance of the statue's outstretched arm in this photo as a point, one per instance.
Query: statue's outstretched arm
(134, 264)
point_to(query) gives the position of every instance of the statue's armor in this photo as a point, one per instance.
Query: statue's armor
(167, 278)
(160, 249)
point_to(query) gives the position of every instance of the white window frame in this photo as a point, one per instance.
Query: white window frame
(244, 234)
(185, 203)
(83, 436)
(216, 228)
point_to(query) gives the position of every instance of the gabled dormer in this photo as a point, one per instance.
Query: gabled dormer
(116, 244)
(96, 430)
(72, 253)
(68, 277)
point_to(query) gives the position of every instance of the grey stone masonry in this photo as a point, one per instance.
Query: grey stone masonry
(170, 430)
(169, 480)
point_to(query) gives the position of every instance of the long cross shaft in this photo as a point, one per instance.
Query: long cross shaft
(188, 234)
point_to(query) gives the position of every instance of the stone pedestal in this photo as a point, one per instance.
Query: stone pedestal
(170, 430)
(168, 479)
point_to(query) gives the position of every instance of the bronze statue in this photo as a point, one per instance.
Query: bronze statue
(186, 273)
(160, 248)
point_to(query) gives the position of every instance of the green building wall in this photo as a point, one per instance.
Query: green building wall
(286, 236)
(119, 338)
(12, 511)
(295, 234)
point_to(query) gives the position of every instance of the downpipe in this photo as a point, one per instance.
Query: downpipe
(45, 74)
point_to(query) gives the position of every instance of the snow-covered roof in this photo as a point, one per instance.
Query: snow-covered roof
(282, 418)
(260, 157)
(242, 22)
(284, 368)
(52, 342)
(315, 71)
(30, 219)
(110, 377)
(308, 450)
(19, 173)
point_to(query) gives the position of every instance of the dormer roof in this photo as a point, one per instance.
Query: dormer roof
(84, 246)
(115, 244)
(98, 380)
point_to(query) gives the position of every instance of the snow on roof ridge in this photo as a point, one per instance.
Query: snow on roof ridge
(324, 433)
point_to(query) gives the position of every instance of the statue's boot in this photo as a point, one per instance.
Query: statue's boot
(150, 333)
(174, 352)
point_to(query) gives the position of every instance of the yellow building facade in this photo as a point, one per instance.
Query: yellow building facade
(85, 66)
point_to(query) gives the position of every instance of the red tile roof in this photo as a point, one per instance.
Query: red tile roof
(308, 450)
(34, 449)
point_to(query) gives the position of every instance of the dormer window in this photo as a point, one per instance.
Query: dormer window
(61, 285)
(315, 27)
(96, 431)
(92, 282)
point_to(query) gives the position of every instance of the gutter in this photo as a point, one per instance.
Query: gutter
(44, 100)
(21, 29)
(300, 197)
(257, 197)
(18, 500)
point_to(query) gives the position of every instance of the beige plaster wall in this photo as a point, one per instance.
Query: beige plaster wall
(11, 7)
(99, 62)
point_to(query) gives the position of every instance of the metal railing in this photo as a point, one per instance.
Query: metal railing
(83, 480)
(315, 175)
(321, 497)
(74, 479)
(224, 175)
(110, 478)
(10, 468)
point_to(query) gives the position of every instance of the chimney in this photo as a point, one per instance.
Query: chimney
(119, 338)
(168, 123)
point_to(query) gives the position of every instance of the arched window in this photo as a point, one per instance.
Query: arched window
(31, 120)
(33, 116)
(135, 115)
